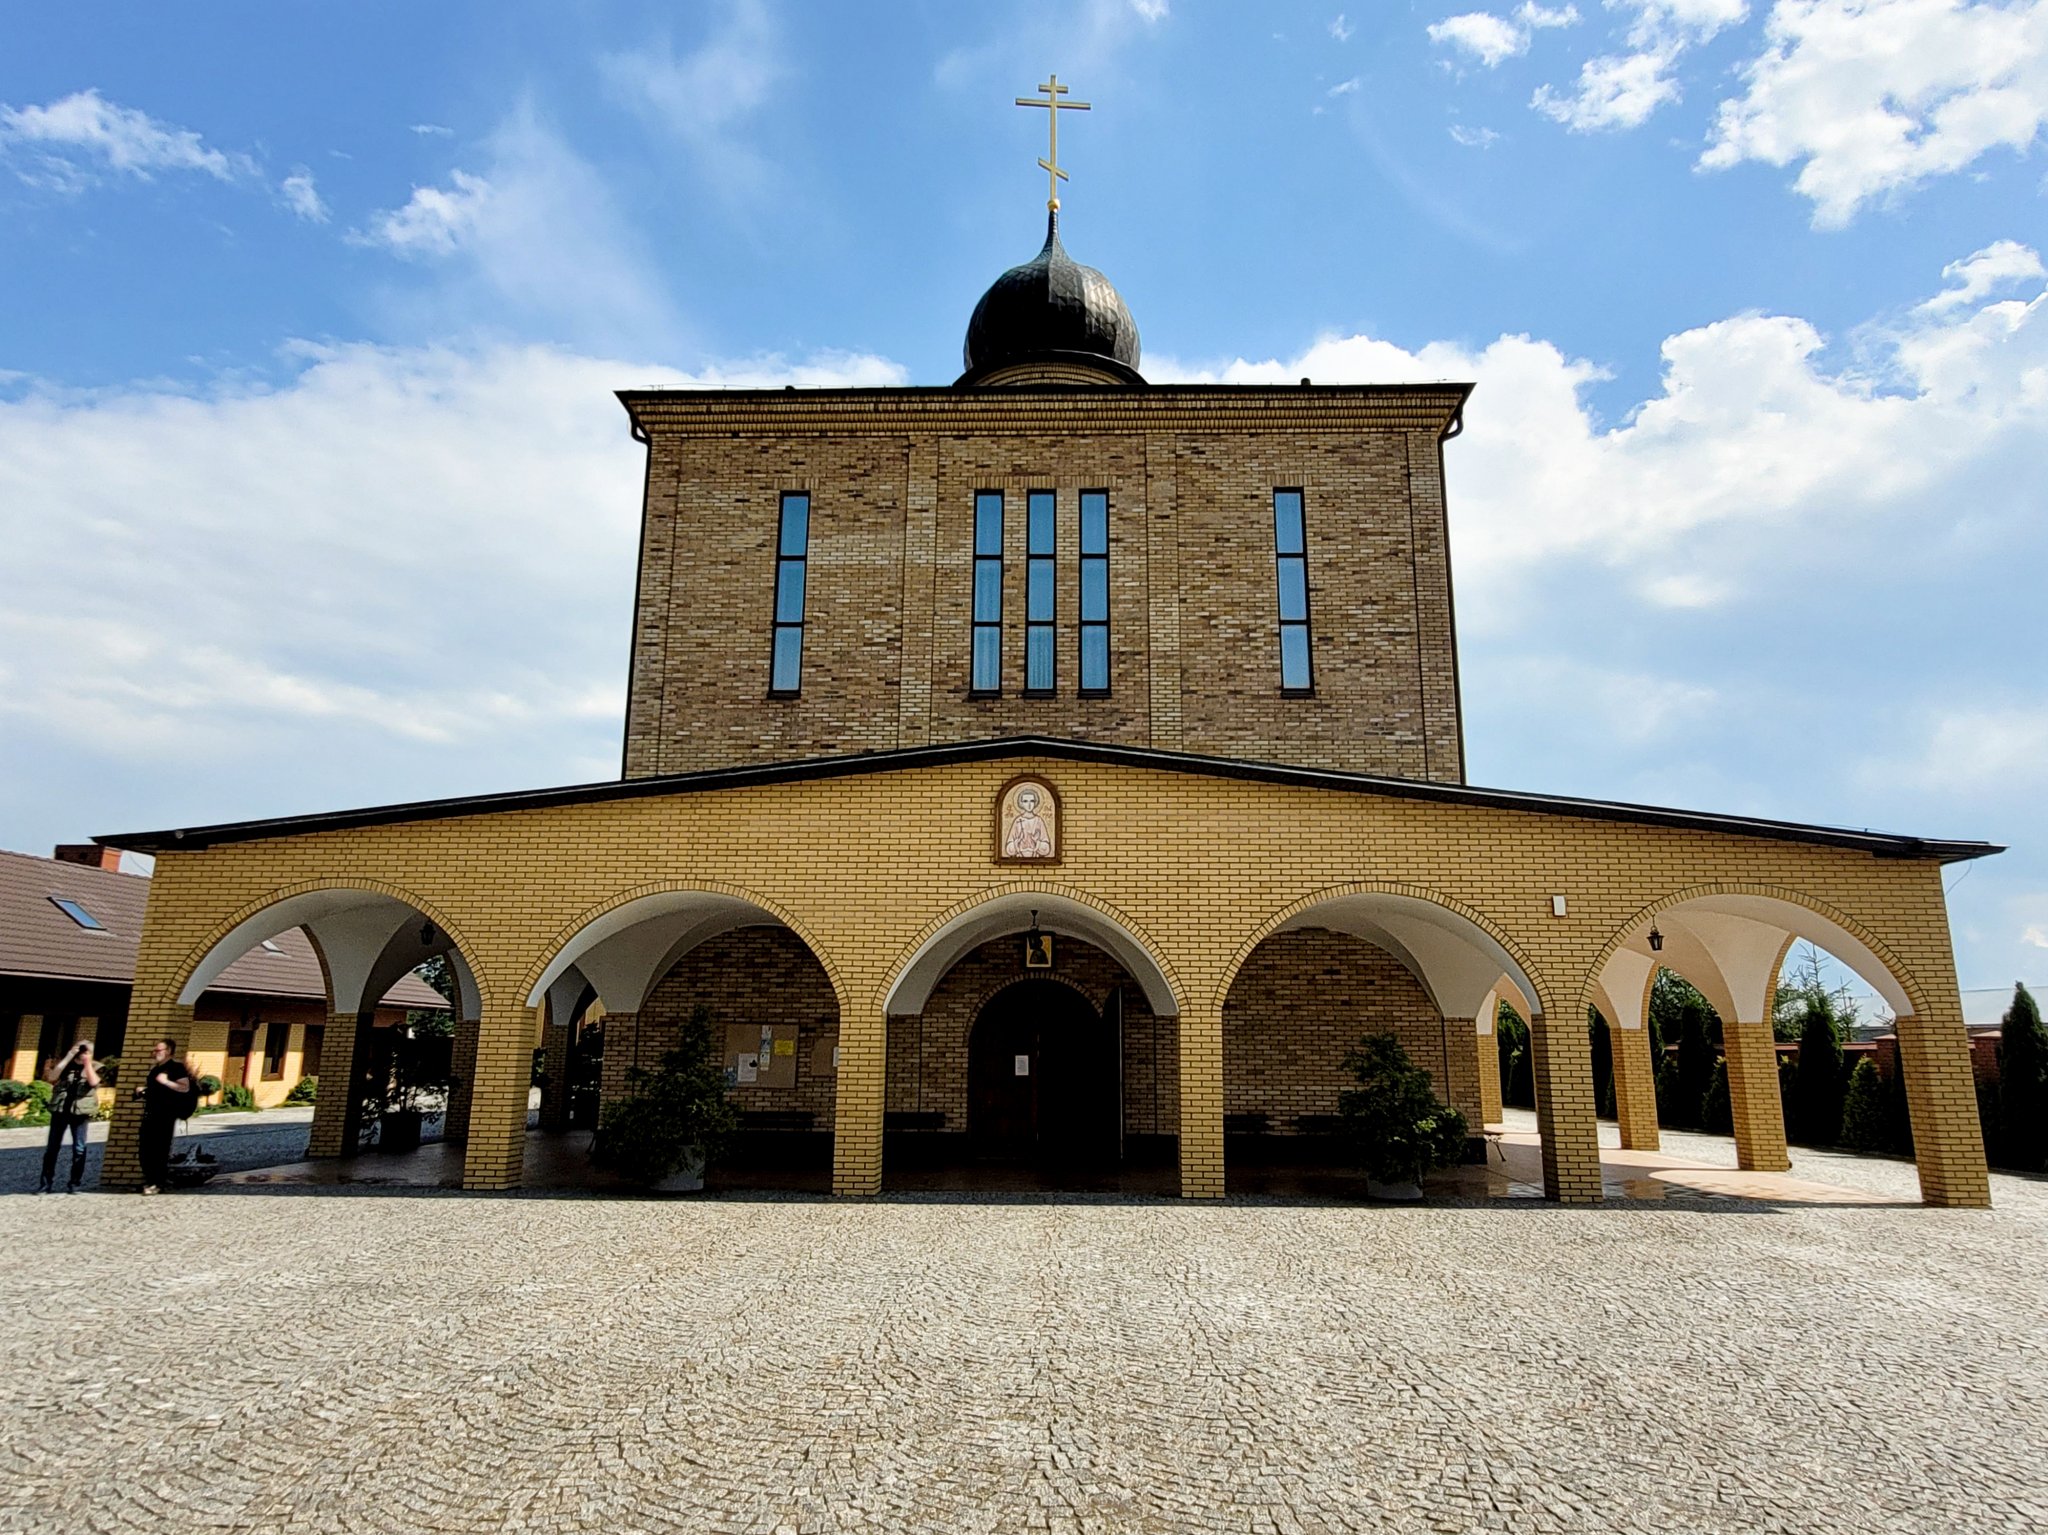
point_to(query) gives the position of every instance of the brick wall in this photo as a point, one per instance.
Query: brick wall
(1193, 607)
(1304, 998)
(927, 1070)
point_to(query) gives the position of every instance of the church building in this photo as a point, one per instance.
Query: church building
(1055, 769)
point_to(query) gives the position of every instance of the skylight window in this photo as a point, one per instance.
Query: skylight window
(269, 946)
(78, 914)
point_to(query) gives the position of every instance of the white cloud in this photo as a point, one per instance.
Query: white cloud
(302, 197)
(1344, 87)
(86, 127)
(432, 130)
(1341, 29)
(535, 236)
(1875, 96)
(433, 222)
(1491, 39)
(2036, 934)
(1971, 752)
(1474, 138)
(1151, 10)
(418, 556)
(2000, 264)
(1488, 38)
(708, 97)
(1752, 441)
(1622, 90)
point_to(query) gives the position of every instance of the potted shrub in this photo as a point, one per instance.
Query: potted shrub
(674, 1119)
(1397, 1127)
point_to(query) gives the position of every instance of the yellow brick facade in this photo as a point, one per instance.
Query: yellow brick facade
(1198, 869)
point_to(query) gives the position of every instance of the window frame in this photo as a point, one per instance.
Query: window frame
(276, 1029)
(1086, 689)
(1282, 622)
(777, 625)
(1041, 563)
(993, 687)
(77, 912)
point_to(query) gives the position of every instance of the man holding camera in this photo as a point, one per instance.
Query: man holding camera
(74, 1101)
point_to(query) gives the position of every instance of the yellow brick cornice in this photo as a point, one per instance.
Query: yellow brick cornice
(1233, 408)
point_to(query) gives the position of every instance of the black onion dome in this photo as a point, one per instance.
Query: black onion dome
(1052, 309)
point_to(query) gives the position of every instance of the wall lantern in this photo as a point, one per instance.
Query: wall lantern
(1037, 947)
(1656, 940)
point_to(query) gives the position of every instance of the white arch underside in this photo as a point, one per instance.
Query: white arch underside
(1728, 947)
(1011, 913)
(625, 953)
(1457, 963)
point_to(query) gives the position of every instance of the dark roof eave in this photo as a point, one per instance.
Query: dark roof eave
(1877, 844)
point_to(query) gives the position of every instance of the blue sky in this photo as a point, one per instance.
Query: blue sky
(313, 492)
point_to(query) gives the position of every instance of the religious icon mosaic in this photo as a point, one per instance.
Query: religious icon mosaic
(1028, 822)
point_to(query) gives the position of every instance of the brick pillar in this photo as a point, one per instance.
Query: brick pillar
(1461, 1071)
(1201, 1103)
(1487, 1046)
(1752, 1057)
(621, 1034)
(333, 1128)
(121, 1164)
(1941, 1097)
(1635, 1089)
(1563, 1070)
(857, 1102)
(496, 1102)
(463, 1064)
(554, 1095)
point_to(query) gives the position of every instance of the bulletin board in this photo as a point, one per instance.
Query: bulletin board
(761, 1055)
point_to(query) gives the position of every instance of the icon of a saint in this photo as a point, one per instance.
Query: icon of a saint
(1029, 837)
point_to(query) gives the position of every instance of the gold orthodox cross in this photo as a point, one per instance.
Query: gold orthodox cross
(1052, 90)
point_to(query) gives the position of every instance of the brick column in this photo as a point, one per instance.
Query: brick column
(121, 1163)
(1941, 1097)
(1487, 1046)
(1461, 1071)
(857, 1102)
(1752, 1057)
(498, 1082)
(333, 1128)
(463, 1064)
(1635, 1089)
(1563, 1070)
(621, 1033)
(1201, 1103)
(554, 1096)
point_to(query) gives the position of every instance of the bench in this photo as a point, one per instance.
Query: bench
(777, 1119)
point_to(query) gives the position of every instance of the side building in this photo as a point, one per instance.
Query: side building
(69, 928)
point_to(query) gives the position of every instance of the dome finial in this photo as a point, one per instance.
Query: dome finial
(1052, 90)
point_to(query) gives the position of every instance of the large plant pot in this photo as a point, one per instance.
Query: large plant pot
(398, 1130)
(687, 1179)
(1406, 1190)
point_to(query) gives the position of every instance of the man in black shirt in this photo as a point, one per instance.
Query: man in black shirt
(166, 1098)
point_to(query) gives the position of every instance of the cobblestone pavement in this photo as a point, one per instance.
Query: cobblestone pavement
(451, 1363)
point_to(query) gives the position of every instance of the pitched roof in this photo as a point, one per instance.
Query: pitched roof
(1878, 844)
(37, 938)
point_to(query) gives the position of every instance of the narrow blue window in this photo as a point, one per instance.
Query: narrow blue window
(987, 659)
(1094, 591)
(1290, 552)
(792, 549)
(1038, 592)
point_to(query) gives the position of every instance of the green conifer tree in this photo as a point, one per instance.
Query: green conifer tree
(2023, 1084)
(1865, 1113)
(1817, 1107)
(1695, 1059)
(1717, 1114)
(1603, 1064)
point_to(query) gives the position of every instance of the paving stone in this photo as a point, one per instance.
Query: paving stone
(337, 1362)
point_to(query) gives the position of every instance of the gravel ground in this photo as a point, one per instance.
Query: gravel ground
(751, 1364)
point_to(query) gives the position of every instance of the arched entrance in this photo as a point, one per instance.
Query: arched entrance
(1044, 1088)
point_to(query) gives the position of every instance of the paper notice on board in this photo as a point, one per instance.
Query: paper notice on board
(750, 1066)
